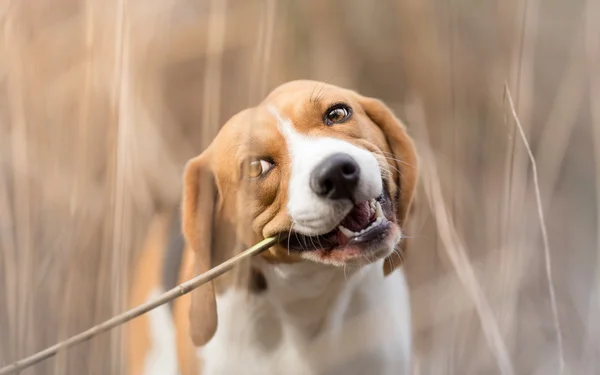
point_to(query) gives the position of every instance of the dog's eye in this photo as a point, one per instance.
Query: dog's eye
(257, 168)
(337, 114)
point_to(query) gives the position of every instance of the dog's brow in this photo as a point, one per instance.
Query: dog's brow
(284, 125)
(250, 142)
(273, 110)
(247, 149)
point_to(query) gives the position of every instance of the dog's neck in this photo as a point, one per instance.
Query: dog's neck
(311, 296)
(312, 316)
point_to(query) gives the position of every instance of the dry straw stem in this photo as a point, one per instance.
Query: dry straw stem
(592, 52)
(540, 210)
(458, 256)
(118, 320)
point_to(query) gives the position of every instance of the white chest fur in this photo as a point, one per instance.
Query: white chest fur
(314, 319)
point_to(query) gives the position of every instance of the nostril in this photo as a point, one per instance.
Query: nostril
(327, 186)
(349, 169)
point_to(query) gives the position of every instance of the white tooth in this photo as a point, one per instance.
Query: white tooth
(378, 210)
(347, 232)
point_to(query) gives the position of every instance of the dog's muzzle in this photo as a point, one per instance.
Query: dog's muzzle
(366, 224)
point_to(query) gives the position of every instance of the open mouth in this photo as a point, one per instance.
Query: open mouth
(366, 224)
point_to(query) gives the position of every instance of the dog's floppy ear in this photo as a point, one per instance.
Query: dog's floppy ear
(198, 208)
(404, 166)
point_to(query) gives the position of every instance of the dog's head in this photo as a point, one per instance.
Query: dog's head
(332, 170)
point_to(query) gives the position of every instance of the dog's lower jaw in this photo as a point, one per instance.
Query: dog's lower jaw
(307, 310)
(357, 256)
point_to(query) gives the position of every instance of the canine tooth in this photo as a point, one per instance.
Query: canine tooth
(378, 210)
(347, 232)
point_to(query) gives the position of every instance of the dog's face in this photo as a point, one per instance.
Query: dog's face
(332, 171)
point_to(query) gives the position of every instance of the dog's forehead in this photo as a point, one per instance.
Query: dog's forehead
(244, 128)
(298, 104)
(295, 97)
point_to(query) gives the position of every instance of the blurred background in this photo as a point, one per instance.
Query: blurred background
(103, 102)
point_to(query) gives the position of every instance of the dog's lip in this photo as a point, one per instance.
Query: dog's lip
(371, 234)
(334, 240)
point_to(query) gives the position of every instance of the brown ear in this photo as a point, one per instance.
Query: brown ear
(198, 209)
(404, 167)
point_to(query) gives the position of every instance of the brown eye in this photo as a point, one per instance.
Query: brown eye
(257, 168)
(337, 114)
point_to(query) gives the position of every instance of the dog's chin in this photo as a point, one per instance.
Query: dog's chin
(367, 234)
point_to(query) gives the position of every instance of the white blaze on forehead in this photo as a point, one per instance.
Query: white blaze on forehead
(311, 214)
(285, 126)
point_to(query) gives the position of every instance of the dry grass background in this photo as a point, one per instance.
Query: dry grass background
(102, 102)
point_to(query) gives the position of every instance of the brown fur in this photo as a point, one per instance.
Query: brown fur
(146, 277)
(187, 360)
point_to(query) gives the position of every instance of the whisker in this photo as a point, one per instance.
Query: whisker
(319, 243)
(321, 92)
(391, 259)
(312, 98)
(312, 241)
(394, 158)
(289, 237)
(396, 169)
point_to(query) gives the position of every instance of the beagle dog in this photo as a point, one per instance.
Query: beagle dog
(333, 174)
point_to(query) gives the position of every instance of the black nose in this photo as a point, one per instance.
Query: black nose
(336, 177)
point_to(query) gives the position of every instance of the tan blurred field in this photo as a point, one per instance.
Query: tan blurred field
(102, 103)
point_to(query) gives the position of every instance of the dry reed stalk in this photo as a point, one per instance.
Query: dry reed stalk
(7, 240)
(421, 49)
(122, 218)
(592, 44)
(446, 287)
(81, 165)
(188, 41)
(7, 244)
(212, 74)
(556, 134)
(262, 54)
(326, 36)
(23, 258)
(123, 318)
(547, 257)
(523, 57)
(458, 256)
(520, 71)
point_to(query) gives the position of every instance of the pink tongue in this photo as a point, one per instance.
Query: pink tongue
(358, 218)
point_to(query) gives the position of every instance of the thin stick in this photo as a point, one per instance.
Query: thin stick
(172, 294)
(548, 259)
